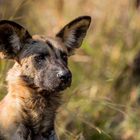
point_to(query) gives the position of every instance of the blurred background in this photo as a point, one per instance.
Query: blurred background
(103, 102)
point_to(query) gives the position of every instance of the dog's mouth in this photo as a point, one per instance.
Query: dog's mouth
(55, 88)
(50, 87)
(64, 85)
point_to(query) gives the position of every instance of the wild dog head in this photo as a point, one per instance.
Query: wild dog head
(42, 62)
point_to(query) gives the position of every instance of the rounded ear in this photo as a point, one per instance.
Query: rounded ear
(12, 36)
(72, 34)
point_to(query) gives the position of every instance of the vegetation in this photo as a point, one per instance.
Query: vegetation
(104, 100)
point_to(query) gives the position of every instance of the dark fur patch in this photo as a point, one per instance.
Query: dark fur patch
(73, 33)
(8, 29)
(20, 30)
(50, 45)
(69, 25)
(88, 18)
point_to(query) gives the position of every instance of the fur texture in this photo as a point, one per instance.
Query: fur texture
(37, 78)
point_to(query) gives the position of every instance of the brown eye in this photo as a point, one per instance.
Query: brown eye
(39, 59)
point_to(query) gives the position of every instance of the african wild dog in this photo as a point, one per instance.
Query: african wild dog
(40, 72)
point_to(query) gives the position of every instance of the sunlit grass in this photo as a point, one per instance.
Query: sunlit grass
(93, 107)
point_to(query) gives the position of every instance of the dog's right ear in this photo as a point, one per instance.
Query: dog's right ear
(12, 36)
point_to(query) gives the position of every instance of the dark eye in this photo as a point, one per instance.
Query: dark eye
(40, 58)
(34, 42)
(64, 57)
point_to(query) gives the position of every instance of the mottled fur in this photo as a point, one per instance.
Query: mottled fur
(39, 74)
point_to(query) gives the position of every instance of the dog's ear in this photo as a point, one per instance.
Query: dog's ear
(12, 36)
(73, 33)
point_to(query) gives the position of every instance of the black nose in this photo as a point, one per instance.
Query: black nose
(64, 76)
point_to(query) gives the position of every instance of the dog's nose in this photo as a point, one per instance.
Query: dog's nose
(64, 75)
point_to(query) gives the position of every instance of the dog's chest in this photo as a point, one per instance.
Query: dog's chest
(39, 114)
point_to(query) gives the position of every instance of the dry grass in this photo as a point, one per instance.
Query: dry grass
(94, 108)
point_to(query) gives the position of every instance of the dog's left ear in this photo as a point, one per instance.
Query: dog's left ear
(73, 33)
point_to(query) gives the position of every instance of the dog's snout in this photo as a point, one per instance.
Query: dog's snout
(64, 75)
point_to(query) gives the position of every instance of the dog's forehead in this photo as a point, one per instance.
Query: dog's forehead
(40, 44)
(54, 42)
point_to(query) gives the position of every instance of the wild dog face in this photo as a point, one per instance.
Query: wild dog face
(42, 61)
